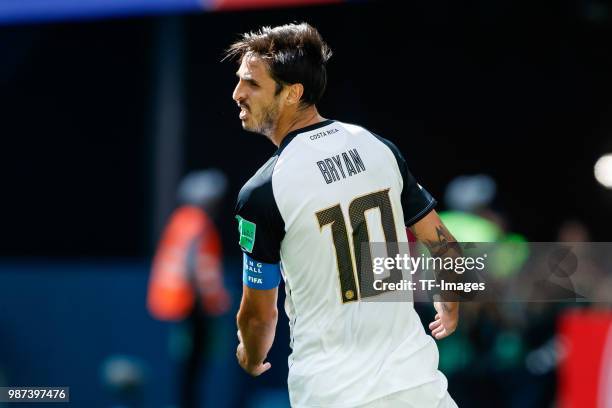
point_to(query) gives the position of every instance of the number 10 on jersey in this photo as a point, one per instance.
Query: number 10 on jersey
(333, 216)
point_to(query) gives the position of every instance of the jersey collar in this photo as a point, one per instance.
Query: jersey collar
(296, 132)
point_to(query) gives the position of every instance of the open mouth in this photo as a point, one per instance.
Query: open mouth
(244, 111)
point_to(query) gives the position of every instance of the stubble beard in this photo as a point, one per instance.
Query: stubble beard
(268, 122)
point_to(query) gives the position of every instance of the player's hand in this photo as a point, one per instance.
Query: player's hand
(253, 369)
(446, 319)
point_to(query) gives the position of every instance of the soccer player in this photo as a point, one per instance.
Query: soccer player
(304, 216)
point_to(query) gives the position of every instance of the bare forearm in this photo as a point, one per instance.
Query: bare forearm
(257, 335)
(441, 244)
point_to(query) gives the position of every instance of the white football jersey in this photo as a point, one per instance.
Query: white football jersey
(329, 188)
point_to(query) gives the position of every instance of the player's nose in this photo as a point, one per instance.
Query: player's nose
(238, 94)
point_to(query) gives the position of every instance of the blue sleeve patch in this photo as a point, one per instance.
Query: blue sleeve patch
(259, 275)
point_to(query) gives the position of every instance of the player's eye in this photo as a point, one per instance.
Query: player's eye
(252, 83)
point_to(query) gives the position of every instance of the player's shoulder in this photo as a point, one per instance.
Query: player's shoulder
(374, 137)
(355, 129)
(258, 189)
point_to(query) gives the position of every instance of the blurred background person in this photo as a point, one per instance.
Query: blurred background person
(186, 283)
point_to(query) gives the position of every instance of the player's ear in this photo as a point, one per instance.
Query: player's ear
(294, 94)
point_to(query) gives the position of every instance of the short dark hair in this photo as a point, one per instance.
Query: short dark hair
(295, 53)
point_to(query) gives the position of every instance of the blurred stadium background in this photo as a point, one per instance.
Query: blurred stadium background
(105, 105)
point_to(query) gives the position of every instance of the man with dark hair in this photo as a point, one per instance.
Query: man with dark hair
(329, 188)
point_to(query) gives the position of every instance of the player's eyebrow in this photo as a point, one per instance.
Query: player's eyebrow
(247, 78)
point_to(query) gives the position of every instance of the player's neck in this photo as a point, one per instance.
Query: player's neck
(300, 119)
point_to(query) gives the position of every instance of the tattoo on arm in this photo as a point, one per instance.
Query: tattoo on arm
(444, 245)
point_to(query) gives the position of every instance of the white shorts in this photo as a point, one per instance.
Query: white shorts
(429, 395)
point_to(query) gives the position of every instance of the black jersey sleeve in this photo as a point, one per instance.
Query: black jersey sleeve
(260, 224)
